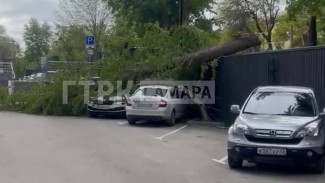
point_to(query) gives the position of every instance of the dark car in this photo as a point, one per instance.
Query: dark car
(278, 125)
(107, 106)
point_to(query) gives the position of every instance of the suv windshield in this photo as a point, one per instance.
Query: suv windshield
(281, 103)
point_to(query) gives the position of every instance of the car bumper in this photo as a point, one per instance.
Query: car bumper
(148, 115)
(297, 153)
(110, 112)
(294, 156)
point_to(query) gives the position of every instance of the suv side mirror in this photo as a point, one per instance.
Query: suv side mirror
(323, 113)
(235, 109)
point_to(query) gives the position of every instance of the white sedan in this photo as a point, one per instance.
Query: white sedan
(155, 103)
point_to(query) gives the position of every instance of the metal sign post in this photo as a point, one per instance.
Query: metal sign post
(90, 45)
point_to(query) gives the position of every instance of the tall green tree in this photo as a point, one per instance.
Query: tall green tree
(94, 17)
(37, 39)
(299, 10)
(166, 12)
(296, 8)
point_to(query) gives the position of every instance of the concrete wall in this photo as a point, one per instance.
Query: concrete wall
(15, 86)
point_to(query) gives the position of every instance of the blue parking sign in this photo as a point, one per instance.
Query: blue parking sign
(90, 41)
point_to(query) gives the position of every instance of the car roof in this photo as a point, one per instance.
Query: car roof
(155, 86)
(296, 89)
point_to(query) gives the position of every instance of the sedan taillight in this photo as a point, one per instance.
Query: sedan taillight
(163, 103)
(128, 103)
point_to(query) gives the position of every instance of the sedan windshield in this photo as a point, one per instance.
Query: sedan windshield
(281, 103)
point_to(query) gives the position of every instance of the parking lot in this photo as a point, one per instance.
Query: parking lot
(38, 149)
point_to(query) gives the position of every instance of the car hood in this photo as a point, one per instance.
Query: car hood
(276, 122)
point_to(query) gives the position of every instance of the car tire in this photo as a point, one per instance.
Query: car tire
(91, 115)
(172, 119)
(234, 162)
(131, 121)
(319, 166)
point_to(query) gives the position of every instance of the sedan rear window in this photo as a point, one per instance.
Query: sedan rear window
(154, 92)
(281, 103)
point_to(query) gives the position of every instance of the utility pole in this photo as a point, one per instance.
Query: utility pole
(180, 11)
(181, 19)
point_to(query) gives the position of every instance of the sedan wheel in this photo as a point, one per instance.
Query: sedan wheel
(131, 121)
(172, 120)
(91, 115)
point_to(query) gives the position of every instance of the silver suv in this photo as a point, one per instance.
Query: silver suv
(278, 125)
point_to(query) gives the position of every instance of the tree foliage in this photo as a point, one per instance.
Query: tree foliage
(262, 13)
(69, 43)
(166, 12)
(302, 10)
(37, 39)
(296, 8)
(93, 16)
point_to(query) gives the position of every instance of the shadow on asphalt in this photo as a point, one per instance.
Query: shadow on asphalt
(108, 117)
(155, 124)
(282, 170)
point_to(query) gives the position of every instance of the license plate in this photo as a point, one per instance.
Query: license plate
(272, 151)
(146, 105)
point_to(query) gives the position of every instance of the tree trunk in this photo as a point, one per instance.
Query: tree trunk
(269, 43)
(243, 41)
(310, 37)
(185, 12)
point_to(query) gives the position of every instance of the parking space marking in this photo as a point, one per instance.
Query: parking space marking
(122, 123)
(161, 138)
(221, 161)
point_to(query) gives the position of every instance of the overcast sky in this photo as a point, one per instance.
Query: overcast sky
(15, 13)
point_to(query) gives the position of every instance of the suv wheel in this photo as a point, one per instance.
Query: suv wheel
(131, 121)
(172, 120)
(234, 161)
(319, 166)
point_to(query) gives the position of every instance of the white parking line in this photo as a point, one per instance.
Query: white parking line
(221, 161)
(161, 138)
(122, 123)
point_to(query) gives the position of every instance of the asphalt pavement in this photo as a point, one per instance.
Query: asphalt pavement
(39, 149)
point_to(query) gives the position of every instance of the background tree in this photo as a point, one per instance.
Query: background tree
(287, 26)
(312, 7)
(302, 10)
(92, 15)
(69, 43)
(37, 39)
(8, 46)
(263, 13)
(166, 12)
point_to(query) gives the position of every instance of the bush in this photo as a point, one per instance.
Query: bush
(47, 99)
(3, 97)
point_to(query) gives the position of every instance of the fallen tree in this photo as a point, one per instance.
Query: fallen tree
(196, 59)
(242, 42)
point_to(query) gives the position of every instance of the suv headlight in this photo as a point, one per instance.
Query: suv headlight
(310, 130)
(240, 128)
